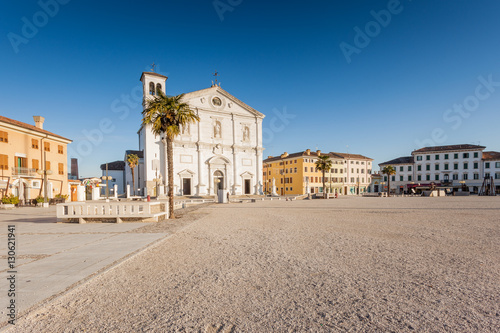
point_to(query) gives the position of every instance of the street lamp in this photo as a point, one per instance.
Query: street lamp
(157, 180)
(107, 178)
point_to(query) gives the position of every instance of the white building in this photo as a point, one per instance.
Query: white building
(222, 151)
(357, 171)
(452, 165)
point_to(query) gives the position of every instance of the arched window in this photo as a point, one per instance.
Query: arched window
(158, 89)
(151, 88)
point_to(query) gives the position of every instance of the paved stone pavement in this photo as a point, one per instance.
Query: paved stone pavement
(52, 257)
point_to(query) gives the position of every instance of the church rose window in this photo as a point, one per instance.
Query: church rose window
(217, 101)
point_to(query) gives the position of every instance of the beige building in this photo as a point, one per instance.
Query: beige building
(26, 149)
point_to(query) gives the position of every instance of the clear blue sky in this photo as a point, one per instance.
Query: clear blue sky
(395, 94)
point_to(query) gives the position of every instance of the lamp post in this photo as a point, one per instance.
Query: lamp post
(44, 173)
(107, 178)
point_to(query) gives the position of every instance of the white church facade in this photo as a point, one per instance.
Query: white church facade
(221, 151)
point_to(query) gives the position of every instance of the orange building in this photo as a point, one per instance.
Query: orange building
(25, 152)
(296, 174)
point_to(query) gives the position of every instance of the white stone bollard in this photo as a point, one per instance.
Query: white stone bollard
(96, 193)
(128, 191)
(115, 191)
(80, 193)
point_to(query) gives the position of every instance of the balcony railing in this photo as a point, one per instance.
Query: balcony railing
(27, 172)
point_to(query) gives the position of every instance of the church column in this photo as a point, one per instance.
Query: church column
(258, 165)
(235, 169)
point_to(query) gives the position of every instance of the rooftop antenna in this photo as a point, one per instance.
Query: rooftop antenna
(153, 67)
(216, 74)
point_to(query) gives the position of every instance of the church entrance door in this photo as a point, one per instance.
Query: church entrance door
(247, 186)
(186, 186)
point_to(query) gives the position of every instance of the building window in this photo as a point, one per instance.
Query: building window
(476, 165)
(60, 149)
(46, 146)
(466, 165)
(466, 176)
(4, 162)
(466, 155)
(385, 178)
(428, 157)
(47, 165)
(419, 158)
(34, 143)
(428, 167)
(419, 168)
(455, 156)
(455, 176)
(158, 89)
(4, 136)
(437, 157)
(436, 177)
(419, 177)
(393, 178)
(352, 179)
(400, 168)
(35, 165)
(455, 166)
(497, 165)
(400, 178)
(295, 170)
(409, 167)
(476, 176)
(446, 156)
(437, 167)
(61, 168)
(428, 177)
(446, 166)
(487, 165)
(476, 154)
(151, 88)
(487, 176)
(497, 175)
(409, 178)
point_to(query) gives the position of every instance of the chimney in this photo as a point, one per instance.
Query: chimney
(318, 152)
(39, 121)
(308, 151)
(285, 154)
(269, 157)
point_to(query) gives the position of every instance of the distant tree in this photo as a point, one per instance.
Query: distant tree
(389, 171)
(132, 161)
(167, 115)
(323, 164)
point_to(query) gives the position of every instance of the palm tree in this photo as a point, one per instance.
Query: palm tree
(166, 115)
(389, 171)
(132, 161)
(324, 163)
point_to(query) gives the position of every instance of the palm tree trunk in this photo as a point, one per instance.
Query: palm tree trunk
(133, 182)
(324, 188)
(388, 185)
(170, 163)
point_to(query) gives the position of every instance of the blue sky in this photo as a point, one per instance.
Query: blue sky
(400, 87)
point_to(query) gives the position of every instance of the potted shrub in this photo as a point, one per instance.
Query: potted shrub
(10, 201)
(39, 199)
(61, 198)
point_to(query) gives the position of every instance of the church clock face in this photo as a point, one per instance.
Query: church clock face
(216, 101)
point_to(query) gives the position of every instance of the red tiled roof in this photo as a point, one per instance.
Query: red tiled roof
(491, 155)
(28, 126)
(446, 148)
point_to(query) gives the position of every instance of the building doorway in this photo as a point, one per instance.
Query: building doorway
(186, 186)
(247, 186)
(219, 180)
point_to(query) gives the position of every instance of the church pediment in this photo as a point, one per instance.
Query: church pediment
(218, 100)
(219, 160)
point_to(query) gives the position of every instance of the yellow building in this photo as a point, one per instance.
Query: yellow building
(296, 174)
(26, 149)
